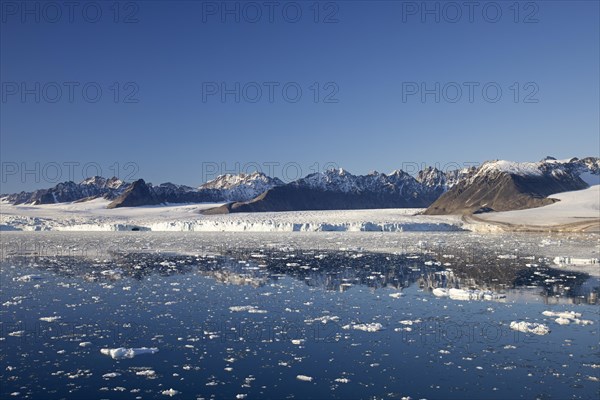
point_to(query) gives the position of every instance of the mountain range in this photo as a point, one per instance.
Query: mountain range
(493, 186)
(224, 188)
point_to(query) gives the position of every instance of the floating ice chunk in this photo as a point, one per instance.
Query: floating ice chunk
(396, 295)
(562, 314)
(566, 317)
(111, 375)
(409, 322)
(372, 327)
(27, 278)
(324, 319)
(462, 294)
(257, 311)
(250, 309)
(304, 378)
(241, 396)
(529, 327)
(342, 380)
(113, 273)
(17, 333)
(122, 352)
(146, 372)
(297, 341)
(85, 344)
(50, 319)
(170, 392)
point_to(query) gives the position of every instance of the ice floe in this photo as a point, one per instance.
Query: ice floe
(146, 372)
(567, 317)
(170, 392)
(122, 352)
(27, 278)
(372, 327)
(324, 319)
(249, 309)
(529, 327)
(463, 294)
(111, 375)
(50, 319)
(409, 322)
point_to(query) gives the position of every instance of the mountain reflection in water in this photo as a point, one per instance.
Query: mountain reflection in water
(339, 270)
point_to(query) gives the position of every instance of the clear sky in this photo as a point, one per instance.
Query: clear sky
(180, 85)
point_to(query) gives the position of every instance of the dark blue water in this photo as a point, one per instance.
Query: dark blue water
(182, 305)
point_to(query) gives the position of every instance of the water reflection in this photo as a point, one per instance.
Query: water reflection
(338, 270)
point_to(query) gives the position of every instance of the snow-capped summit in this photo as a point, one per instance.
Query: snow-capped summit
(241, 187)
(431, 177)
(571, 167)
(332, 180)
(100, 182)
(228, 181)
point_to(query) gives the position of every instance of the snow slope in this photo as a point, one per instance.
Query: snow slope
(573, 207)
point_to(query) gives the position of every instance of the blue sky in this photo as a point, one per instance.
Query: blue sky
(368, 62)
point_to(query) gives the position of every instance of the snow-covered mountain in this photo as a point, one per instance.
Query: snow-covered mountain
(70, 191)
(441, 181)
(228, 187)
(339, 189)
(241, 187)
(495, 185)
(340, 180)
(588, 167)
(502, 185)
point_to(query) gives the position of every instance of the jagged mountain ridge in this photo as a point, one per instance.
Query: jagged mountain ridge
(526, 185)
(92, 187)
(224, 188)
(339, 189)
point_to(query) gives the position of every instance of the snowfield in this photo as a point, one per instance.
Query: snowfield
(577, 210)
(574, 207)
